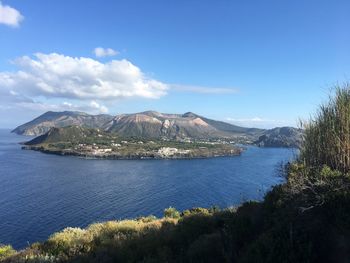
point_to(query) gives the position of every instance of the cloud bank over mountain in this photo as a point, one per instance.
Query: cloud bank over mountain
(57, 82)
(45, 78)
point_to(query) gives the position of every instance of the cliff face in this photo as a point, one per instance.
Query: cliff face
(281, 137)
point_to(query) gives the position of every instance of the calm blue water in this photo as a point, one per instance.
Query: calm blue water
(41, 194)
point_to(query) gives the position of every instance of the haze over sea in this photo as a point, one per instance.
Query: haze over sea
(41, 193)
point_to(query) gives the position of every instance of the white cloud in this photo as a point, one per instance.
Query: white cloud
(57, 82)
(254, 119)
(11, 96)
(10, 16)
(202, 90)
(58, 76)
(99, 107)
(105, 52)
(92, 107)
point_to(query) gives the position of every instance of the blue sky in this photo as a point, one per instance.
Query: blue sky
(252, 63)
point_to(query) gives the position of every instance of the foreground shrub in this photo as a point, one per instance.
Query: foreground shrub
(171, 212)
(6, 251)
(69, 242)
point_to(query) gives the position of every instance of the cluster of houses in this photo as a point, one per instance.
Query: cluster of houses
(95, 149)
(168, 151)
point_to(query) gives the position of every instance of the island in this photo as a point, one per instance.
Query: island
(153, 125)
(97, 143)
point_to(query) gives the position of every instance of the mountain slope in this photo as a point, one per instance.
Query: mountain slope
(152, 124)
(44, 122)
(70, 134)
(155, 125)
(226, 127)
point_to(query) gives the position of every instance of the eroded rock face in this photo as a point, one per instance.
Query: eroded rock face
(166, 124)
(159, 125)
(199, 122)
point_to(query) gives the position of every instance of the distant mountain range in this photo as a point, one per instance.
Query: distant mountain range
(152, 124)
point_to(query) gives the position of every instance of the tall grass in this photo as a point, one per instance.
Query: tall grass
(327, 134)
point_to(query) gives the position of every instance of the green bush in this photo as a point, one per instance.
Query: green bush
(6, 251)
(196, 210)
(171, 212)
(69, 242)
(327, 172)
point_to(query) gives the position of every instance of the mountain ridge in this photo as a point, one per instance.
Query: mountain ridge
(49, 119)
(42, 123)
(153, 124)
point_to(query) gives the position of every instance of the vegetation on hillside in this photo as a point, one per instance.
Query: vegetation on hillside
(96, 143)
(306, 219)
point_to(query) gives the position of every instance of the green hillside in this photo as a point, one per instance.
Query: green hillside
(96, 143)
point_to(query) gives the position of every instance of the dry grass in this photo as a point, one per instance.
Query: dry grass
(327, 134)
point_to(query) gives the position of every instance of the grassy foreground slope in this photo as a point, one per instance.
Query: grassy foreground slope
(306, 219)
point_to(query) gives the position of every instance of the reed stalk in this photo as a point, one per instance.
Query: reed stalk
(327, 134)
